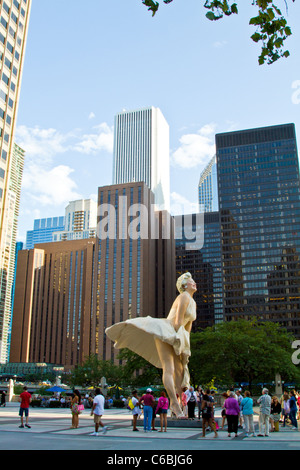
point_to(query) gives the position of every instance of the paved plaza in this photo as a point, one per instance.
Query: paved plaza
(50, 430)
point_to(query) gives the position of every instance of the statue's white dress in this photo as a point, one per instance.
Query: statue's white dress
(139, 334)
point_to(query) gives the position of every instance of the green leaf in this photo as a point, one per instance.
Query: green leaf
(256, 37)
(211, 16)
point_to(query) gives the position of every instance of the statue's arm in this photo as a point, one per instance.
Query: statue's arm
(188, 326)
(183, 302)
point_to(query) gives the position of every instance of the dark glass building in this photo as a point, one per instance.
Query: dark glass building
(204, 264)
(259, 201)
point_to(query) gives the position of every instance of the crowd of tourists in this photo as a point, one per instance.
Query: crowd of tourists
(237, 410)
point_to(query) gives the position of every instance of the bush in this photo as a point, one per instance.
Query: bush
(118, 404)
(36, 403)
(54, 404)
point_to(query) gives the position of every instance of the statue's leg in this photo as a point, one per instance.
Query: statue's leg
(167, 357)
(179, 371)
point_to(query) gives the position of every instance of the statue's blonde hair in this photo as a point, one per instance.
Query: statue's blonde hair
(182, 281)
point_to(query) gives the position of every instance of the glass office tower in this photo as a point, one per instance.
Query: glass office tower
(208, 188)
(205, 266)
(259, 200)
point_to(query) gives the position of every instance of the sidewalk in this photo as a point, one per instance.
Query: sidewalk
(119, 422)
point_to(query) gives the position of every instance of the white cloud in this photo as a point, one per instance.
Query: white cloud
(219, 44)
(92, 115)
(195, 149)
(47, 143)
(46, 183)
(49, 187)
(44, 143)
(101, 139)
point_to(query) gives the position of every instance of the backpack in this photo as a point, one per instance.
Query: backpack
(206, 411)
(130, 405)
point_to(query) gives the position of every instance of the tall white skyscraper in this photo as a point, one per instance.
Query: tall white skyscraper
(208, 188)
(80, 221)
(14, 19)
(141, 152)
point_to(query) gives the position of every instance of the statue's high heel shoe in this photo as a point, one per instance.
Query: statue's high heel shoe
(178, 414)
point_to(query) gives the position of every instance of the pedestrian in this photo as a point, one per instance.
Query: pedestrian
(246, 407)
(232, 413)
(3, 398)
(136, 411)
(98, 412)
(191, 403)
(162, 410)
(147, 400)
(239, 398)
(153, 413)
(275, 414)
(264, 412)
(24, 399)
(285, 407)
(225, 395)
(207, 414)
(184, 401)
(293, 409)
(199, 394)
(298, 403)
(75, 408)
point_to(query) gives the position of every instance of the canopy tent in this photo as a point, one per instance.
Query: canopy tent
(55, 389)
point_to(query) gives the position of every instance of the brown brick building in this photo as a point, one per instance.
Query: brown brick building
(67, 293)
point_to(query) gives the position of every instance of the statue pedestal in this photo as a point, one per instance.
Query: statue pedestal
(176, 423)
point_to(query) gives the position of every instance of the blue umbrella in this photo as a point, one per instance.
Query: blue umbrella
(55, 389)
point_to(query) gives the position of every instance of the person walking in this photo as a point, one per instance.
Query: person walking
(264, 412)
(207, 414)
(293, 410)
(25, 400)
(191, 403)
(232, 413)
(147, 400)
(98, 412)
(246, 407)
(162, 410)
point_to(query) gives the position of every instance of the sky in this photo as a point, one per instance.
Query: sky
(87, 61)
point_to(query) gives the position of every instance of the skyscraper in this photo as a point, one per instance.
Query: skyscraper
(43, 230)
(68, 292)
(205, 266)
(80, 221)
(141, 152)
(259, 199)
(208, 188)
(14, 18)
(8, 246)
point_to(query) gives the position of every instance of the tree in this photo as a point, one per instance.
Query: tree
(242, 350)
(271, 32)
(138, 371)
(93, 369)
